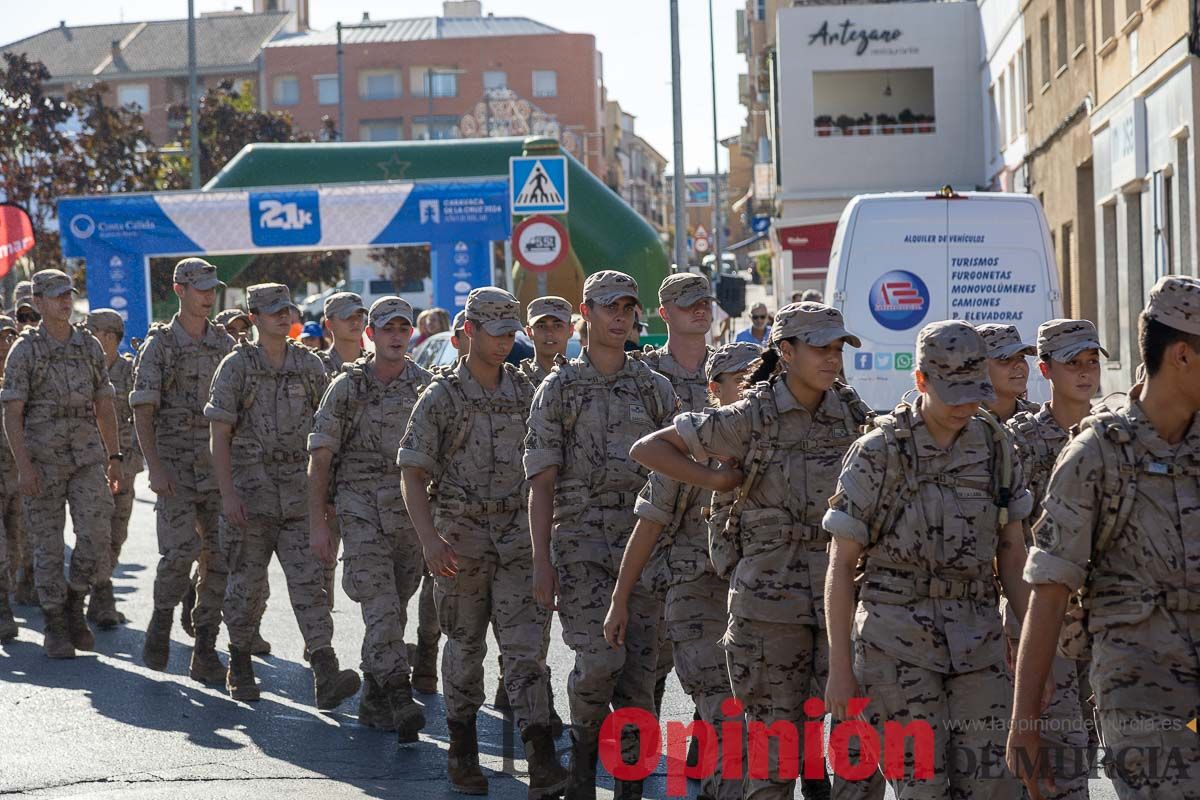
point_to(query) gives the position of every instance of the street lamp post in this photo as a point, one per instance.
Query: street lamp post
(681, 261)
(716, 144)
(193, 97)
(341, 75)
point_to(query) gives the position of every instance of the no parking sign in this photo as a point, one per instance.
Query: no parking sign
(542, 243)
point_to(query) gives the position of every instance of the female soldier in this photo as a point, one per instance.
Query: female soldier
(789, 433)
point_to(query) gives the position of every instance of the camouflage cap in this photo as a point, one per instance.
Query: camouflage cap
(494, 310)
(732, 357)
(52, 283)
(608, 286)
(460, 322)
(197, 272)
(953, 357)
(1063, 339)
(7, 323)
(23, 294)
(1175, 302)
(683, 289)
(550, 306)
(268, 298)
(815, 324)
(343, 305)
(386, 309)
(1004, 341)
(229, 315)
(106, 319)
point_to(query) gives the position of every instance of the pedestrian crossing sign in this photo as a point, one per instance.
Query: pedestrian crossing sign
(538, 184)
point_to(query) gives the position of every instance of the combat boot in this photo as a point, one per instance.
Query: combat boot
(407, 716)
(26, 593)
(259, 646)
(57, 642)
(585, 746)
(206, 665)
(8, 625)
(102, 608)
(547, 778)
(424, 668)
(157, 648)
(240, 678)
(81, 635)
(500, 702)
(374, 711)
(331, 683)
(185, 609)
(693, 751)
(628, 790)
(462, 762)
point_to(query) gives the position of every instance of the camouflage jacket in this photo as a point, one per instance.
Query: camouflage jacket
(173, 373)
(271, 411)
(533, 371)
(1143, 609)
(929, 522)
(469, 440)
(59, 382)
(584, 423)
(121, 373)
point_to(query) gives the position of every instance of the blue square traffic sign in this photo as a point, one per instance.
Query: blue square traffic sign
(538, 184)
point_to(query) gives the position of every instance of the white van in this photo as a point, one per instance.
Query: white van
(902, 260)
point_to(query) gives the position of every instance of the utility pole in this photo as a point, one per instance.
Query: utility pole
(681, 260)
(193, 96)
(712, 47)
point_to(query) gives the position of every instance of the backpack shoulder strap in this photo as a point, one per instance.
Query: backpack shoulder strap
(1119, 482)
(643, 376)
(1001, 447)
(856, 409)
(896, 428)
(764, 441)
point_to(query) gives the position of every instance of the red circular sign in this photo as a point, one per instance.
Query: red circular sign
(541, 243)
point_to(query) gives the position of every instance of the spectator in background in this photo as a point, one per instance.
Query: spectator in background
(581, 331)
(295, 331)
(797, 297)
(236, 322)
(312, 336)
(812, 295)
(760, 327)
(429, 322)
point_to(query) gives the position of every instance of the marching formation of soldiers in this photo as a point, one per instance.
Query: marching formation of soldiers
(1002, 571)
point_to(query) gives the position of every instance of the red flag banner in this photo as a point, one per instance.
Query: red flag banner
(16, 235)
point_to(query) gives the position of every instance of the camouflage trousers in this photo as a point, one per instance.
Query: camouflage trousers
(12, 540)
(85, 490)
(486, 591)
(771, 672)
(696, 622)
(188, 533)
(1149, 754)
(604, 676)
(381, 569)
(248, 551)
(122, 511)
(968, 712)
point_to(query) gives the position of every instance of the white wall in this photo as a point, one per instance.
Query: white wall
(944, 36)
(1003, 32)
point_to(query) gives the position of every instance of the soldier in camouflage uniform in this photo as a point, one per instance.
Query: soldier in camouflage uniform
(345, 319)
(60, 422)
(465, 435)
(585, 417)
(549, 328)
(359, 425)
(109, 329)
(235, 322)
(171, 378)
(1069, 357)
(260, 412)
(1121, 522)
(929, 500)
(696, 610)
(11, 514)
(789, 433)
(1007, 369)
(424, 654)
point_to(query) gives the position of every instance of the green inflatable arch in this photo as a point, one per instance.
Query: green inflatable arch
(605, 232)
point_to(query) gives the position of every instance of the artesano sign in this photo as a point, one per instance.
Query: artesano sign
(848, 34)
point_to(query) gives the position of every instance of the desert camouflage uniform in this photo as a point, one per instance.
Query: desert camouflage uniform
(584, 423)
(775, 641)
(480, 510)
(361, 421)
(173, 373)
(533, 371)
(121, 373)
(928, 641)
(1141, 608)
(271, 411)
(334, 366)
(59, 383)
(14, 550)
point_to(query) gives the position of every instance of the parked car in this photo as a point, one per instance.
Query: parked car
(418, 292)
(436, 351)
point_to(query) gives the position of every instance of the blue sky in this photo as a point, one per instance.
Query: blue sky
(633, 35)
